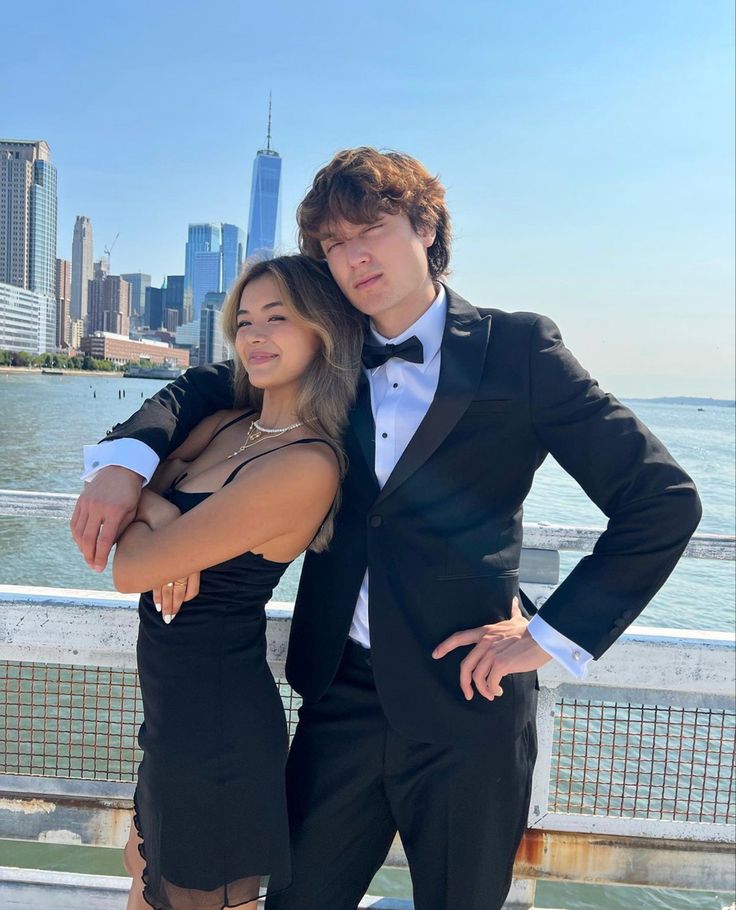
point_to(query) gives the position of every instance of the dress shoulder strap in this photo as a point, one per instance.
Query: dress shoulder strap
(286, 445)
(231, 422)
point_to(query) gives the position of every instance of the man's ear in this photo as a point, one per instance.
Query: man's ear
(427, 236)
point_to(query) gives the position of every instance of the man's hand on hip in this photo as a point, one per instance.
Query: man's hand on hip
(500, 648)
(104, 510)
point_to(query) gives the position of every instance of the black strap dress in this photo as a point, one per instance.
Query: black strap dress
(210, 804)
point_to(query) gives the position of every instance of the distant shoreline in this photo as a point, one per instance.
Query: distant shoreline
(672, 399)
(113, 374)
(684, 399)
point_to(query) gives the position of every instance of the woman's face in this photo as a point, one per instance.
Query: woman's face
(275, 346)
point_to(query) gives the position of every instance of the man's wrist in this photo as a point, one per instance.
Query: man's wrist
(132, 454)
(573, 658)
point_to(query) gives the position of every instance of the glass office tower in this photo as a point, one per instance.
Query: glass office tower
(28, 216)
(43, 228)
(233, 254)
(201, 273)
(265, 193)
(265, 201)
(138, 282)
(174, 296)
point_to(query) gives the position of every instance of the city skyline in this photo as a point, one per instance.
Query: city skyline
(587, 151)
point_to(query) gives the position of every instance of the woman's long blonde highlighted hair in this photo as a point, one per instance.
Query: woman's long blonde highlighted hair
(327, 390)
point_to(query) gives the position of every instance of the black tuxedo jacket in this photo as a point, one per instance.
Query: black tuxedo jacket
(442, 539)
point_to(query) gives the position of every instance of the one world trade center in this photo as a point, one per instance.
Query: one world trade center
(265, 193)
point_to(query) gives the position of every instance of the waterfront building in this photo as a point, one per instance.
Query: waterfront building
(28, 216)
(233, 254)
(265, 199)
(63, 301)
(82, 267)
(120, 349)
(212, 343)
(76, 333)
(109, 305)
(174, 296)
(202, 273)
(27, 320)
(138, 282)
(154, 308)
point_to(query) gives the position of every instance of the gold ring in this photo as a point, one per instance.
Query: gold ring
(178, 583)
(169, 584)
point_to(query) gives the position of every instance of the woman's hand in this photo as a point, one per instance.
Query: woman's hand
(158, 512)
(169, 598)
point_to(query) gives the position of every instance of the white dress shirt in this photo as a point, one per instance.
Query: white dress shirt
(401, 393)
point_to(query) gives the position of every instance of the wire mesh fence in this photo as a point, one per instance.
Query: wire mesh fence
(608, 758)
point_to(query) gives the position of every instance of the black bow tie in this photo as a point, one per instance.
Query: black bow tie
(375, 355)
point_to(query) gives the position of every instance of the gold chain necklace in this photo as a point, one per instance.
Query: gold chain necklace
(256, 433)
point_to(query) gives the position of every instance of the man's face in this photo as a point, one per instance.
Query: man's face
(382, 269)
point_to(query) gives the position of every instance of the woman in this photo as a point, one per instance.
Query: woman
(246, 493)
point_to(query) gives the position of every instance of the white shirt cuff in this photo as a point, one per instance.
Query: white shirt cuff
(125, 453)
(572, 657)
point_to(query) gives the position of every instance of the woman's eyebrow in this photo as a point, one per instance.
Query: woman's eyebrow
(267, 306)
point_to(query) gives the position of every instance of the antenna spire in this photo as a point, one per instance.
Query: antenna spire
(268, 134)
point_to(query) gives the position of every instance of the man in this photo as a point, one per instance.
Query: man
(408, 644)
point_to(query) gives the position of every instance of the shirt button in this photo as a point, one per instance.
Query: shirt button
(95, 464)
(576, 655)
(384, 435)
(376, 521)
(396, 385)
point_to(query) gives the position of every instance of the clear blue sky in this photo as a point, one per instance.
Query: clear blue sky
(587, 147)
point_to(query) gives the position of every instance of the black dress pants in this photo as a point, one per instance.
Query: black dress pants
(353, 781)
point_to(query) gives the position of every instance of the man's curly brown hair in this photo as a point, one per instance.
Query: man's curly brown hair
(361, 184)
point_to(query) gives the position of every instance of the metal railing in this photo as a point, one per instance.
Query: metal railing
(634, 783)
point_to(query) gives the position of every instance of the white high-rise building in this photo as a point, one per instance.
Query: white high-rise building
(82, 267)
(27, 320)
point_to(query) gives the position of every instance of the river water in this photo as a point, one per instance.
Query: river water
(44, 421)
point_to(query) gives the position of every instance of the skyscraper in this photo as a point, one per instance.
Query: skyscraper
(138, 282)
(154, 307)
(109, 305)
(174, 296)
(233, 254)
(201, 273)
(265, 193)
(82, 267)
(100, 268)
(63, 302)
(206, 277)
(28, 209)
(212, 342)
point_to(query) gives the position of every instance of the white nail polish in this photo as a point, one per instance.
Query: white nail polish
(158, 607)
(168, 618)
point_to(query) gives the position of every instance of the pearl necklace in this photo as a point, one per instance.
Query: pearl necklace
(256, 433)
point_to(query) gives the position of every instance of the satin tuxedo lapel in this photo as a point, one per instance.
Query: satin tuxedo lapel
(464, 346)
(363, 431)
